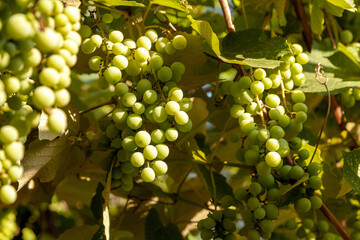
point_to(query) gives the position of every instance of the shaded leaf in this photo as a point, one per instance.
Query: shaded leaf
(352, 168)
(345, 188)
(221, 185)
(194, 59)
(97, 201)
(340, 78)
(120, 3)
(79, 233)
(316, 18)
(180, 5)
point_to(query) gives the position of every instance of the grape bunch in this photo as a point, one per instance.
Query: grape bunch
(350, 97)
(38, 46)
(150, 109)
(8, 227)
(220, 224)
(268, 124)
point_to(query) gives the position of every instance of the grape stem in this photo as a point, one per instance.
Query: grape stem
(320, 73)
(146, 14)
(243, 10)
(97, 106)
(328, 214)
(158, 85)
(227, 15)
(167, 21)
(331, 37)
(261, 110)
(301, 14)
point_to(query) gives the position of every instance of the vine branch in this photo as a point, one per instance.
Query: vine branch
(227, 15)
(328, 214)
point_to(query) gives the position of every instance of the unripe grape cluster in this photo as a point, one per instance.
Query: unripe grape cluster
(270, 111)
(350, 96)
(39, 44)
(8, 227)
(150, 108)
(220, 224)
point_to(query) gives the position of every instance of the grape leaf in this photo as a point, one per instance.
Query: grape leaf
(352, 168)
(340, 77)
(154, 229)
(316, 18)
(84, 232)
(126, 3)
(254, 48)
(344, 4)
(180, 5)
(97, 201)
(222, 187)
(344, 189)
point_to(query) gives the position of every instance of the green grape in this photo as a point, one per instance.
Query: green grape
(55, 62)
(179, 42)
(158, 136)
(186, 127)
(163, 151)
(296, 48)
(47, 40)
(160, 44)
(273, 194)
(129, 144)
(272, 100)
(267, 181)
(18, 27)
(246, 125)
(304, 154)
(57, 121)
(43, 97)
(137, 159)
(141, 54)
(285, 172)
(172, 108)
(14, 102)
(138, 108)
(32, 57)
(241, 194)
(267, 82)
(346, 36)
(315, 182)
(121, 49)
(160, 167)
(152, 35)
(8, 134)
(181, 118)
(295, 143)
(128, 100)
(276, 80)
(313, 169)
(156, 62)
(121, 89)
(120, 62)
(253, 235)
(257, 87)
(308, 223)
(296, 68)
(171, 134)
(253, 203)
(150, 96)
(119, 115)
(323, 226)
(112, 75)
(159, 114)
(148, 174)
(132, 69)
(116, 143)
(226, 201)
(255, 189)
(111, 131)
(272, 211)
(263, 135)
(134, 121)
(178, 68)
(251, 156)
(262, 168)
(259, 74)
(95, 63)
(302, 58)
(143, 85)
(62, 97)
(303, 205)
(150, 152)
(116, 36)
(259, 213)
(107, 18)
(169, 48)
(299, 107)
(209, 223)
(164, 74)
(296, 172)
(143, 42)
(272, 145)
(277, 132)
(267, 226)
(176, 94)
(228, 225)
(274, 114)
(273, 159)
(142, 138)
(206, 234)
(8, 194)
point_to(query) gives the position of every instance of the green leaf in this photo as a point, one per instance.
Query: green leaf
(79, 233)
(113, 3)
(340, 77)
(352, 168)
(344, 4)
(345, 188)
(204, 29)
(221, 185)
(286, 188)
(180, 5)
(316, 18)
(154, 229)
(254, 48)
(97, 201)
